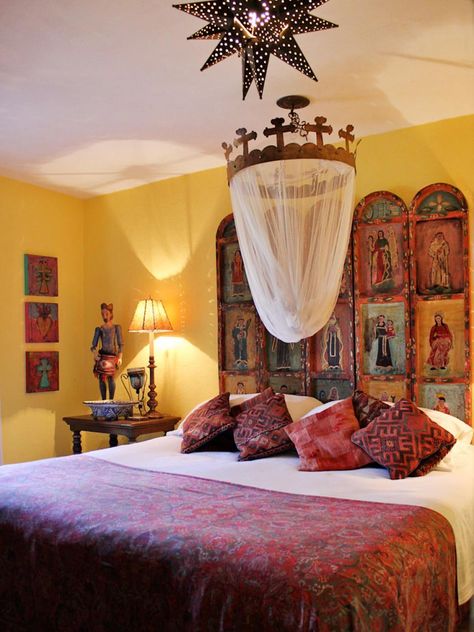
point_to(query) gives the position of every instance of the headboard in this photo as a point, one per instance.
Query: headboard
(401, 323)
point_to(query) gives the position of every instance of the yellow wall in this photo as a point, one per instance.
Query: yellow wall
(159, 240)
(36, 221)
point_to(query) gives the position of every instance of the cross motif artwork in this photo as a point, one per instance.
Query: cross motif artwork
(42, 371)
(41, 275)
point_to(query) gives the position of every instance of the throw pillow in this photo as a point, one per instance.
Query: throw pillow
(404, 440)
(260, 430)
(323, 439)
(250, 403)
(206, 423)
(366, 407)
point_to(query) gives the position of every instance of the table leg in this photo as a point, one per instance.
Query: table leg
(113, 442)
(76, 442)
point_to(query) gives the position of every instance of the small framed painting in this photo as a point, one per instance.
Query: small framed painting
(447, 398)
(235, 285)
(439, 256)
(330, 390)
(284, 356)
(287, 384)
(440, 338)
(381, 259)
(240, 339)
(386, 390)
(240, 384)
(42, 371)
(41, 275)
(41, 322)
(383, 330)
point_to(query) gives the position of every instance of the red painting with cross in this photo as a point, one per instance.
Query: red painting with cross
(42, 371)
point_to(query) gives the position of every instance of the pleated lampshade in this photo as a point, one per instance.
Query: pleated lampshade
(150, 316)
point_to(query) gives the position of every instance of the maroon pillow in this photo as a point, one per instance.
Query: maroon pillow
(366, 407)
(206, 423)
(323, 440)
(264, 396)
(405, 440)
(260, 430)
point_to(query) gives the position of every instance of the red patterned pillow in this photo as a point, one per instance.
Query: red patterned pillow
(264, 396)
(207, 422)
(260, 430)
(366, 407)
(323, 440)
(405, 440)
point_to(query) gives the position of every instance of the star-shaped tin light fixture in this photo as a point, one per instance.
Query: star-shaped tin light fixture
(256, 29)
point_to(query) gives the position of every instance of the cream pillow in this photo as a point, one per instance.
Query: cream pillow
(298, 406)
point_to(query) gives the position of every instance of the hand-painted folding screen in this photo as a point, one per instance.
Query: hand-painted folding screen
(400, 327)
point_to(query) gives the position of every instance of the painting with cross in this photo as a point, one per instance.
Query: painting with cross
(42, 371)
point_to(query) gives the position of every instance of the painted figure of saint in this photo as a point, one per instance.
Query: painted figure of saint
(441, 404)
(237, 274)
(439, 252)
(109, 357)
(240, 388)
(441, 342)
(332, 346)
(282, 350)
(333, 394)
(383, 334)
(240, 335)
(380, 259)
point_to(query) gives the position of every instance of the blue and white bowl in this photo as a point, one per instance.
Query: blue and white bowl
(110, 409)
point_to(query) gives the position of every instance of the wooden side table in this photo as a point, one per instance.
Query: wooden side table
(126, 427)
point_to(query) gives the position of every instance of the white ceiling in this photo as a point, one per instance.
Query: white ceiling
(102, 95)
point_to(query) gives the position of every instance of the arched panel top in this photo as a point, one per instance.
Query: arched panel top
(438, 200)
(226, 229)
(380, 206)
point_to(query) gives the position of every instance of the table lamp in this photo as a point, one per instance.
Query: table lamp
(150, 317)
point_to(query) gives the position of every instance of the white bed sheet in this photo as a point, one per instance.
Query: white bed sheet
(450, 493)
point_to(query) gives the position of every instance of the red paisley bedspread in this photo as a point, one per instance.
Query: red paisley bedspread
(90, 545)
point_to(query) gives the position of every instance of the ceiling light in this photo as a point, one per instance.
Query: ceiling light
(256, 29)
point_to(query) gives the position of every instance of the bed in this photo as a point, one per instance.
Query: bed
(142, 537)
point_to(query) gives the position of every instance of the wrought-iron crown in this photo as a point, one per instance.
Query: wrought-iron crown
(282, 151)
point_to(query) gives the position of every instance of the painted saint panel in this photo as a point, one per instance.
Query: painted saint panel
(439, 257)
(240, 339)
(42, 371)
(380, 259)
(447, 398)
(440, 335)
(387, 390)
(287, 384)
(283, 356)
(330, 390)
(240, 384)
(334, 343)
(235, 286)
(384, 349)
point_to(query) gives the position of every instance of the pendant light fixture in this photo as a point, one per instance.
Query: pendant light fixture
(256, 29)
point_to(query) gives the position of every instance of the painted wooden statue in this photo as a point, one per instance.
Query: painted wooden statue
(107, 347)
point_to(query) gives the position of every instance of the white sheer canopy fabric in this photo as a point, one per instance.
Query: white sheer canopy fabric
(293, 220)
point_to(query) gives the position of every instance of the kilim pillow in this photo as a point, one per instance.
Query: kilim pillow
(323, 440)
(260, 430)
(366, 407)
(250, 403)
(207, 422)
(404, 440)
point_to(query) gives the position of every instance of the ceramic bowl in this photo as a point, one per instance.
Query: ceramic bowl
(110, 409)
